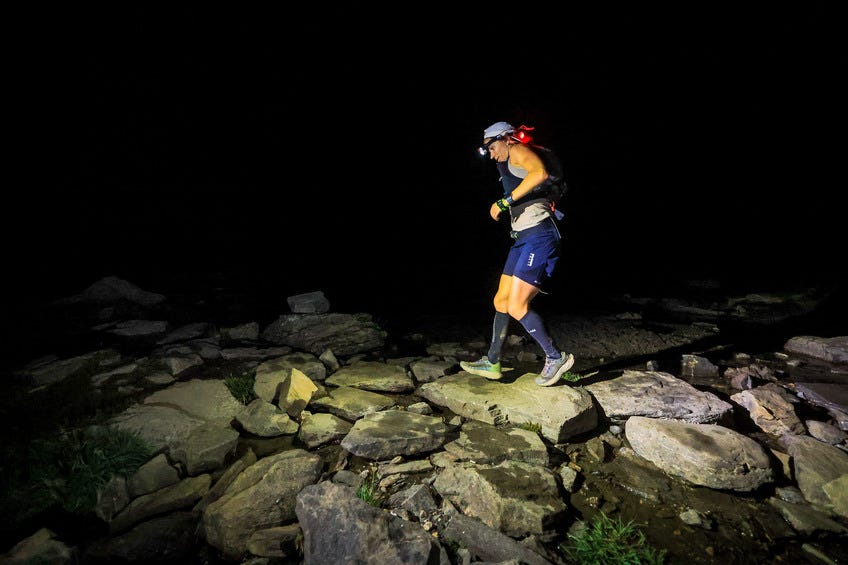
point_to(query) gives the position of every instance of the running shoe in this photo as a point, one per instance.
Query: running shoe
(482, 368)
(554, 369)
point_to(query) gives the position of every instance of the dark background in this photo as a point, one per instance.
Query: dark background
(283, 151)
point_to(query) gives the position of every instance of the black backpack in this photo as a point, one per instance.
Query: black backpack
(556, 186)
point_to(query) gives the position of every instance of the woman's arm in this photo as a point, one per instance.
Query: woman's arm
(524, 157)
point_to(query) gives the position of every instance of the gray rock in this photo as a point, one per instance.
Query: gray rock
(309, 303)
(703, 454)
(345, 334)
(335, 523)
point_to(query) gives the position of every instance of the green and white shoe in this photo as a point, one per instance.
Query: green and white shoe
(482, 368)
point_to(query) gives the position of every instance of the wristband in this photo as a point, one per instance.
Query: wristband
(509, 201)
(502, 205)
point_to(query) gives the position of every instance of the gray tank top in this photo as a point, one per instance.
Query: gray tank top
(526, 214)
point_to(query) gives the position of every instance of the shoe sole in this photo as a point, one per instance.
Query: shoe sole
(485, 374)
(569, 363)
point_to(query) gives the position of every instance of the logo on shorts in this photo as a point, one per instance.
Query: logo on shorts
(530, 260)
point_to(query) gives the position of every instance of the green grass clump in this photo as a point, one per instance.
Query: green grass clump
(241, 386)
(369, 490)
(570, 377)
(531, 427)
(67, 470)
(607, 541)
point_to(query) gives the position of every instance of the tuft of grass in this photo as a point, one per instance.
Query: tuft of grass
(369, 489)
(570, 377)
(607, 541)
(67, 470)
(531, 426)
(241, 386)
(101, 454)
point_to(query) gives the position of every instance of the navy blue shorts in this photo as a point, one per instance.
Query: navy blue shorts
(534, 255)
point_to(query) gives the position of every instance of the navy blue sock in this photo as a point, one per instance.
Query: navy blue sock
(534, 325)
(499, 327)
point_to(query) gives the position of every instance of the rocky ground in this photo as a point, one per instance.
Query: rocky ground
(732, 332)
(633, 333)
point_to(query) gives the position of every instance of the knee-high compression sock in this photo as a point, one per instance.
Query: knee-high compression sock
(534, 325)
(499, 327)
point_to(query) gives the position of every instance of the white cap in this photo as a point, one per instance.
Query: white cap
(497, 129)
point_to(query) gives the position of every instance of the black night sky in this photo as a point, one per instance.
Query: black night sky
(333, 148)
